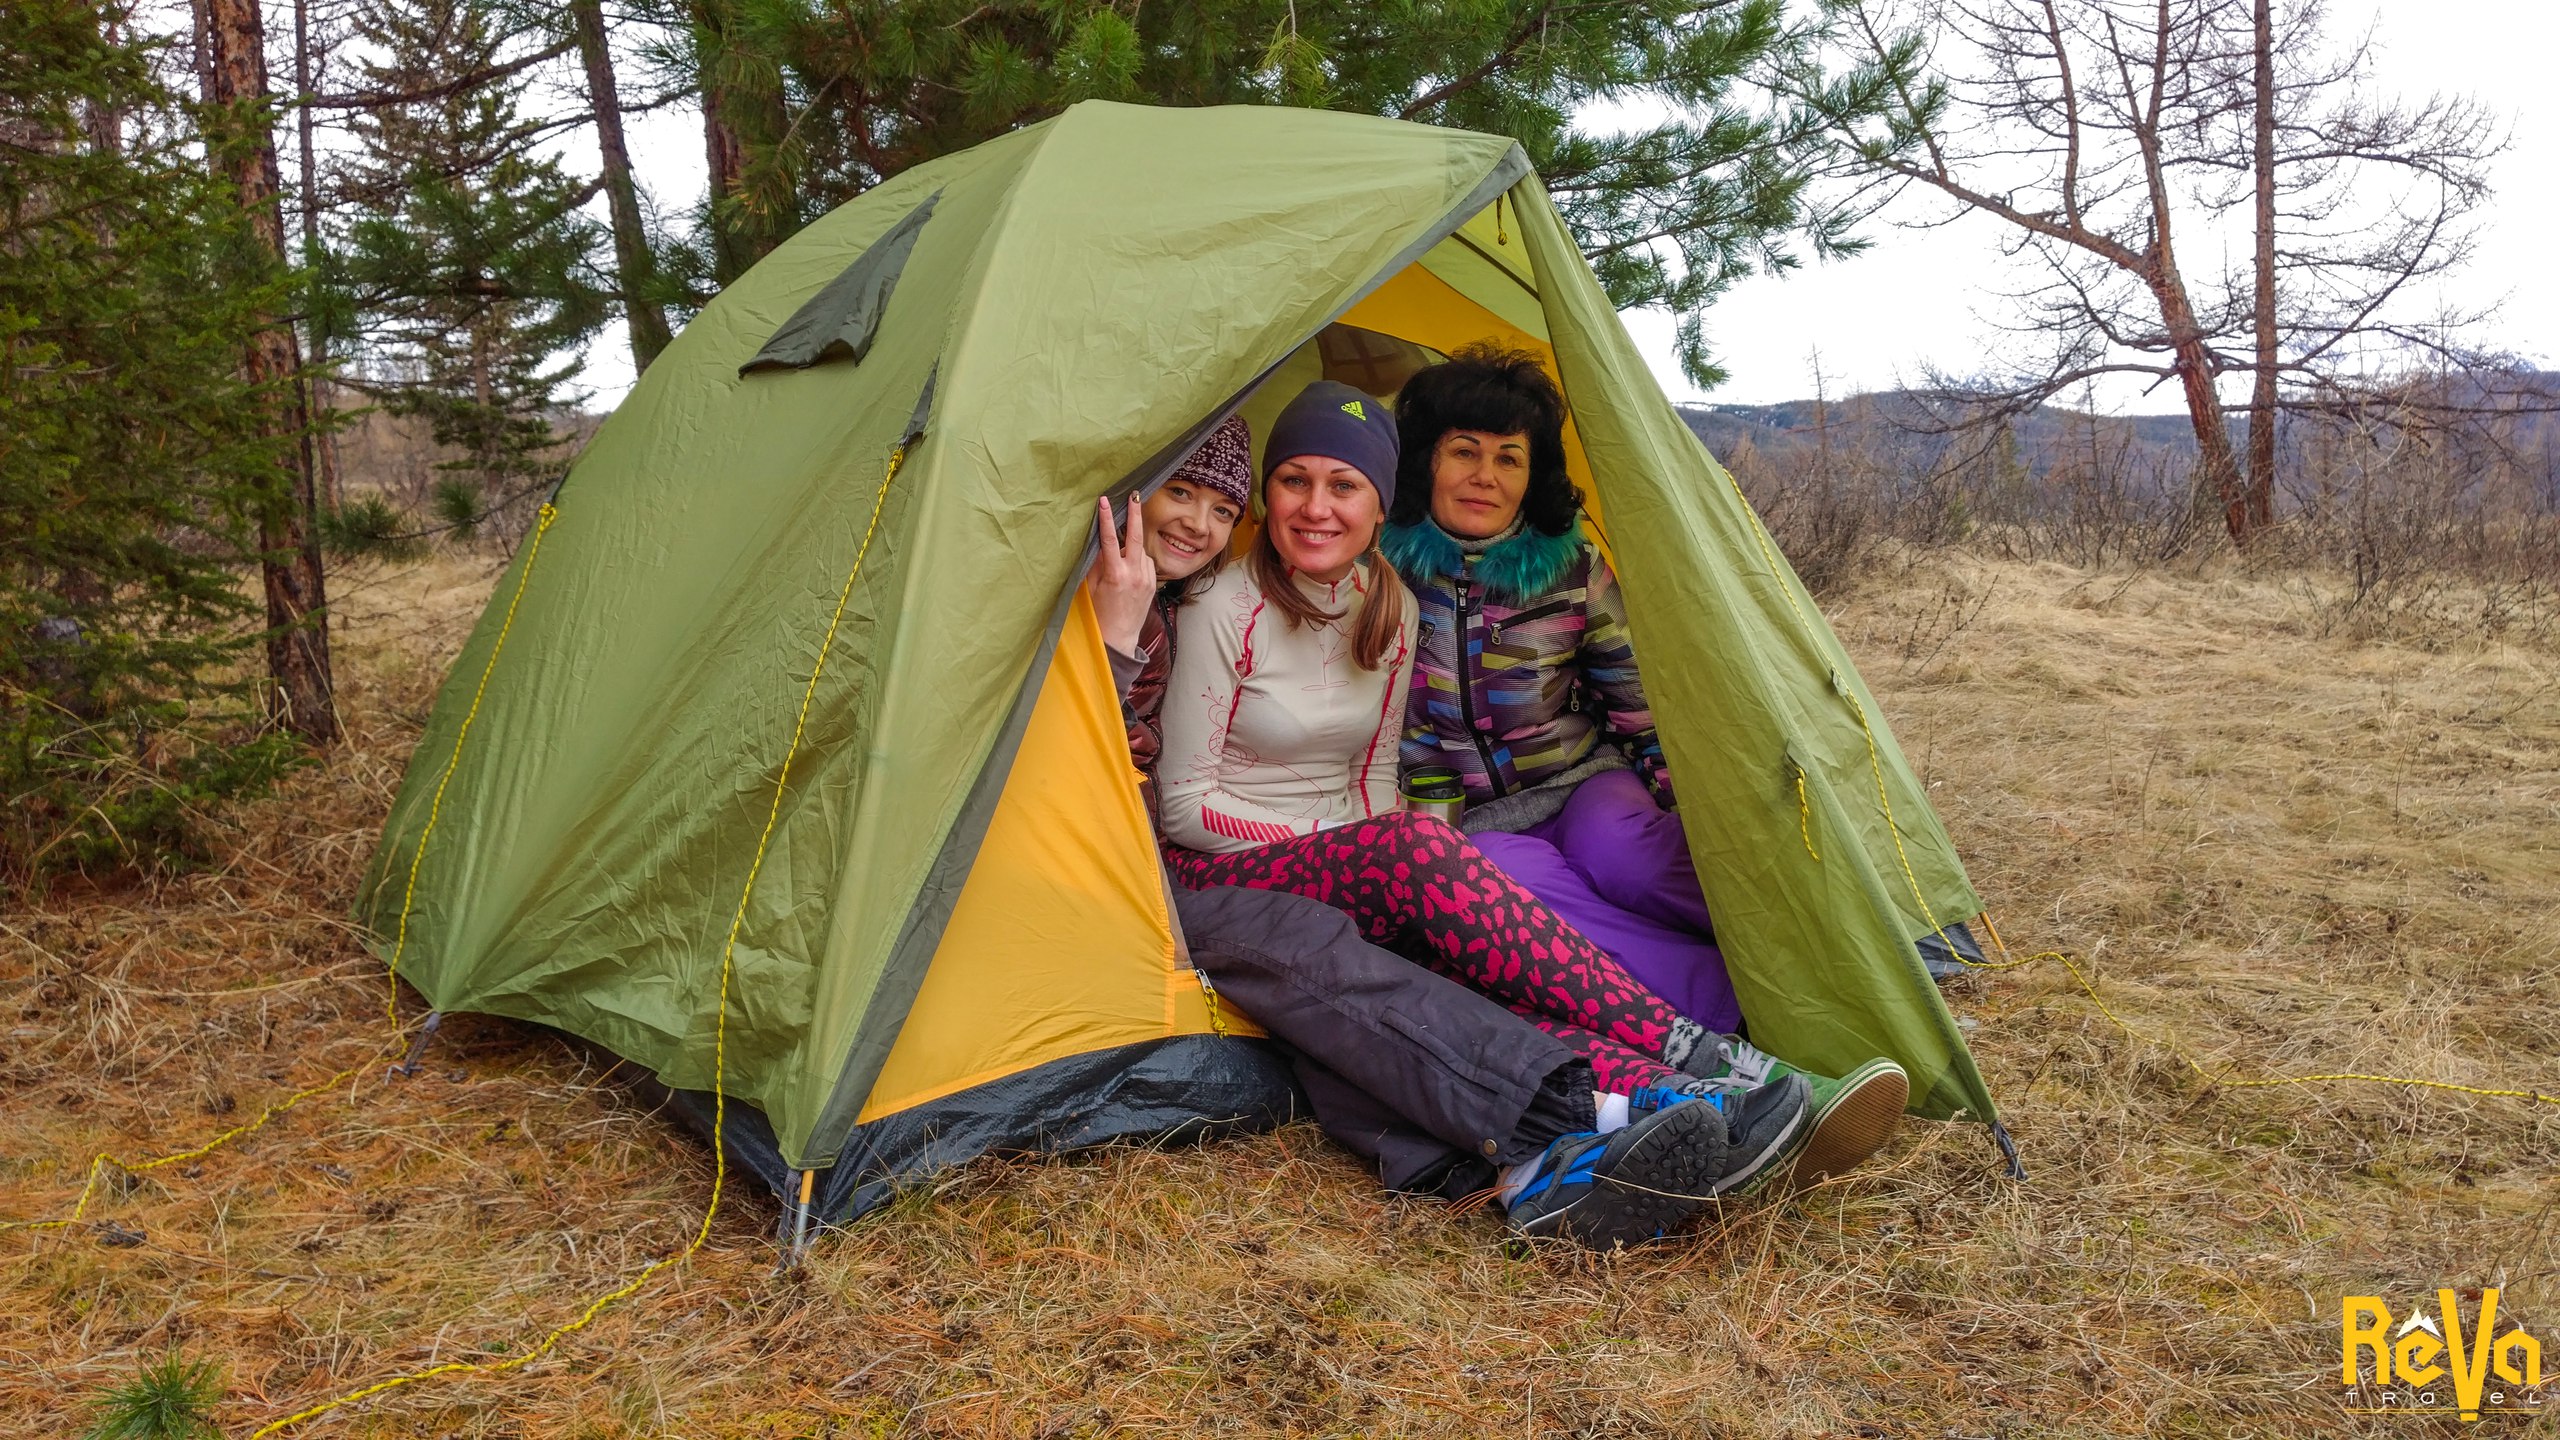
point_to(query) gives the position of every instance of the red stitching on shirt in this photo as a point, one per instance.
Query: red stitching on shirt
(1225, 725)
(1244, 656)
(1234, 827)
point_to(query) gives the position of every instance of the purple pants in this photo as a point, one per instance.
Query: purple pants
(1616, 867)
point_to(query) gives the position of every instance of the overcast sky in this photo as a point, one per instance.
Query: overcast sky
(1932, 295)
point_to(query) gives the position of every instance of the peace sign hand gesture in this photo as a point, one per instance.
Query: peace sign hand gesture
(1123, 579)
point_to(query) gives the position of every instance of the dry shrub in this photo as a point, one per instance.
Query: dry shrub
(2284, 850)
(1828, 526)
(1874, 482)
(2412, 525)
(2408, 515)
(1850, 494)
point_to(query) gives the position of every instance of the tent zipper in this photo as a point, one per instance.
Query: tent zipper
(1466, 677)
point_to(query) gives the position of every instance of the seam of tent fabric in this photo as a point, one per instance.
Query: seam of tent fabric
(720, 1024)
(435, 803)
(391, 1003)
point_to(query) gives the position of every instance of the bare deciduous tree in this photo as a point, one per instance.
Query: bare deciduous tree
(2354, 201)
(2117, 138)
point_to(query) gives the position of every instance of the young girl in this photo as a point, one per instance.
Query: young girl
(1280, 727)
(1172, 544)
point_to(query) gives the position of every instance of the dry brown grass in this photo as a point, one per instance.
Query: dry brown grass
(2289, 853)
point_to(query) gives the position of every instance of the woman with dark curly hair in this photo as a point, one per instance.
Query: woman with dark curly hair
(1524, 668)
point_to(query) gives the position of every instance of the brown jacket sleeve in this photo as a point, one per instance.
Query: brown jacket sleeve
(1143, 706)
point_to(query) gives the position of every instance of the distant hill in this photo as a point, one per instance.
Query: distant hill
(1889, 438)
(1778, 429)
(1898, 424)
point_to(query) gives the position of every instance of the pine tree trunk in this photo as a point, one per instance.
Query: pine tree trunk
(2262, 400)
(726, 158)
(636, 266)
(300, 697)
(733, 118)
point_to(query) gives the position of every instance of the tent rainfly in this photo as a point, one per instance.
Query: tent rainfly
(958, 939)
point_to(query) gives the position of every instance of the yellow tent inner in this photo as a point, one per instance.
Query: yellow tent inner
(1060, 944)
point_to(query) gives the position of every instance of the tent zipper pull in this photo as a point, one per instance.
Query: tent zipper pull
(1217, 1021)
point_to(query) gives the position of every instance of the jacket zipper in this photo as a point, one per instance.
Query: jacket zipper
(1467, 680)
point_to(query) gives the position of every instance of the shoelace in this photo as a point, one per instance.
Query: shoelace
(1646, 1099)
(1744, 1061)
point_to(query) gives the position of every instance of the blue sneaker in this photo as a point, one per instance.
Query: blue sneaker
(1629, 1186)
(1766, 1125)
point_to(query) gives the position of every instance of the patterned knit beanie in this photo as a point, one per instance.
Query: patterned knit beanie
(1333, 420)
(1224, 461)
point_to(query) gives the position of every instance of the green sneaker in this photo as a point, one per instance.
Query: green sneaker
(1853, 1116)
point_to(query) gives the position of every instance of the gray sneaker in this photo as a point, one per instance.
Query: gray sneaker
(1853, 1116)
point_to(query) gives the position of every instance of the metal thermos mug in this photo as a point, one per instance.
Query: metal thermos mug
(1435, 790)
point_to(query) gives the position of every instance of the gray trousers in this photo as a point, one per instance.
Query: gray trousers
(1431, 1083)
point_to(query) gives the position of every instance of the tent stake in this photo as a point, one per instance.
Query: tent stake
(2009, 1147)
(408, 1065)
(800, 1222)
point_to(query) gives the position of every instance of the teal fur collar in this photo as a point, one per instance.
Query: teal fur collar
(1513, 571)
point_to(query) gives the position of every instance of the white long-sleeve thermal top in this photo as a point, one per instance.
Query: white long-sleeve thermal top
(1271, 729)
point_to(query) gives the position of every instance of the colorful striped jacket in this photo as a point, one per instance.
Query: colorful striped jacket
(1523, 661)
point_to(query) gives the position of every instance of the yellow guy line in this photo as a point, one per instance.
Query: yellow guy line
(391, 1004)
(435, 802)
(1875, 766)
(98, 1166)
(719, 1044)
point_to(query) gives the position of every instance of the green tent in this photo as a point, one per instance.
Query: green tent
(882, 446)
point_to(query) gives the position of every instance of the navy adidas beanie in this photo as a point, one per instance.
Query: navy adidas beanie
(1335, 421)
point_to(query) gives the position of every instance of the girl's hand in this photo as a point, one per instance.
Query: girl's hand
(1123, 580)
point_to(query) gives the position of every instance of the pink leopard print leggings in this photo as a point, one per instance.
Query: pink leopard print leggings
(1415, 879)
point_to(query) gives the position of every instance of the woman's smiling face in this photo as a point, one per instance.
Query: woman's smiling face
(1478, 480)
(1187, 525)
(1324, 515)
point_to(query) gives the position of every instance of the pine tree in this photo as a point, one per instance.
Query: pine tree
(1670, 211)
(135, 459)
(467, 262)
